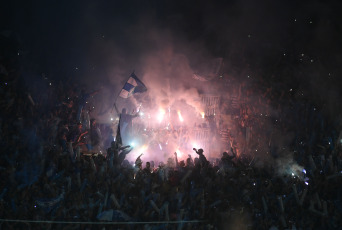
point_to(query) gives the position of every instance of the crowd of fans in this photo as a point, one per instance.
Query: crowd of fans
(50, 171)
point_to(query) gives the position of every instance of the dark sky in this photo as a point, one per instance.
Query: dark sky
(86, 38)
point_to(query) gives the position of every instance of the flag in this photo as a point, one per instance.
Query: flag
(132, 86)
(118, 139)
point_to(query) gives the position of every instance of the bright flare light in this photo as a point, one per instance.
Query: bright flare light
(179, 153)
(143, 148)
(161, 114)
(180, 116)
(195, 145)
(202, 114)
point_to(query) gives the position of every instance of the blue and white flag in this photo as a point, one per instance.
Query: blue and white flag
(132, 86)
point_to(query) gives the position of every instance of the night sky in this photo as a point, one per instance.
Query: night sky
(291, 41)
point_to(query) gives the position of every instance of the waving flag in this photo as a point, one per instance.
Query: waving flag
(132, 86)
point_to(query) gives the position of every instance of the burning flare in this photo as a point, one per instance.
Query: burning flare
(180, 116)
(202, 114)
(161, 114)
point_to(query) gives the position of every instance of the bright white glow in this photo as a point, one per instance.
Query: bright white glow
(179, 153)
(141, 114)
(304, 171)
(195, 145)
(202, 114)
(180, 116)
(160, 115)
(160, 147)
(143, 148)
(132, 144)
(111, 119)
(306, 183)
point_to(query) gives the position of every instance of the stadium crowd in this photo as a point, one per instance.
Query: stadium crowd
(47, 174)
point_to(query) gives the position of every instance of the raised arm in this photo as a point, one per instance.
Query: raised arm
(176, 158)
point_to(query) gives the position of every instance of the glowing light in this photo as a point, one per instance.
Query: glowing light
(143, 148)
(179, 153)
(180, 116)
(306, 183)
(141, 114)
(202, 113)
(111, 119)
(304, 171)
(132, 144)
(160, 147)
(292, 174)
(195, 145)
(161, 115)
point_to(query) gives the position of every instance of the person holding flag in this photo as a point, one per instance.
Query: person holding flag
(132, 86)
(126, 123)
